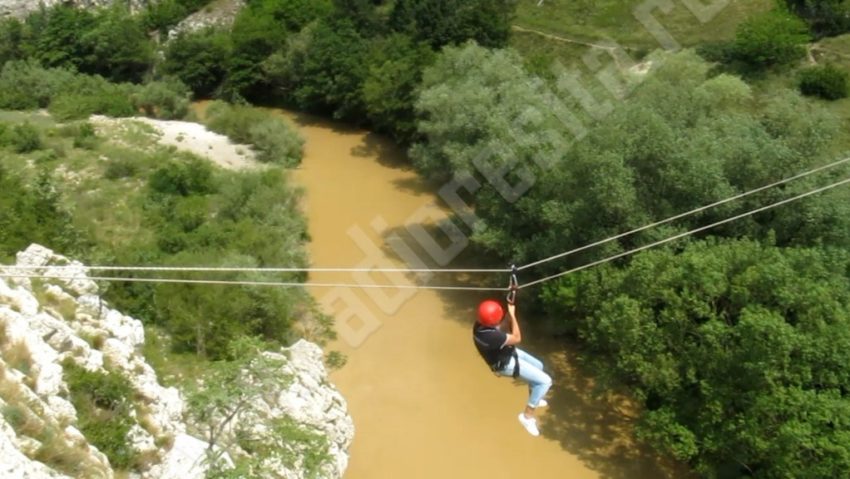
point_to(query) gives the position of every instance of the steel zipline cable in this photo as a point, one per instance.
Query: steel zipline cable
(74, 268)
(687, 233)
(685, 214)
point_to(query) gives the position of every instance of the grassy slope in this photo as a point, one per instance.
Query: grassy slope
(593, 21)
(590, 20)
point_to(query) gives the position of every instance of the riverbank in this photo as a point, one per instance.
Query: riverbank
(423, 403)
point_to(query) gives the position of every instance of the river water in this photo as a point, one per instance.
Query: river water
(424, 404)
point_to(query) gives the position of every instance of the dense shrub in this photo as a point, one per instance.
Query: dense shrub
(27, 85)
(111, 102)
(183, 177)
(827, 81)
(738, 352)
(103, 402)
(34, 212)
(198, 59)
(773, 38)
(167, 99)
(826, 17)
(445, 22)
(23, 138)
(273, 139)
(117, 169)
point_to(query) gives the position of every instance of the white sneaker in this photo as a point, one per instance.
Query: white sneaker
(542, 403)
(530, 424)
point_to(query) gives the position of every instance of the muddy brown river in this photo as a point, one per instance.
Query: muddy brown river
(424, 404)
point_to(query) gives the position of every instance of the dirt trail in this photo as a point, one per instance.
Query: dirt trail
(424, 404)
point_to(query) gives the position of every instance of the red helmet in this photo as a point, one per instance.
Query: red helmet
(490, 313)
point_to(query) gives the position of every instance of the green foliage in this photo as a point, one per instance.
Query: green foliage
(326, 72)
(11, 36)
(83, 134)
(198, 59)
(118, 169)
(293, 15)
(446, 22)
(103, 402)
(165, 14)
(770, 39)
(389, 89)
(255, 36)
(738, 352)
(274, 140)
(34, 213)
(681, 140)
(183, 177)
(23, 138)
(828, 82)
(55, 36)
(26, 85)
(825, 17)
(109, 41)
(118, 44)
(68, 96)
(167, 99)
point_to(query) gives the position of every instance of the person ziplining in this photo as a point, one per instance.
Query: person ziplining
(499, 350)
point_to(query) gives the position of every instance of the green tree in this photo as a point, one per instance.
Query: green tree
(54, 36)
(389, 89)
(168, 98)
(826, 17)
(444, 22)
(118, 46)
(325, 73)
(199, 59)
(828, 82)
(737, 351)
(681, 140)
(770, 39)
(11, 38)
(255, 35)
(293, 15)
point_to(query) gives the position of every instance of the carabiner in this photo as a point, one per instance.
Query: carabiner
(513, 285)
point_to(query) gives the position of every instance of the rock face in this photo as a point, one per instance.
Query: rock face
(220, 14)
(48, 325)
(21, 8)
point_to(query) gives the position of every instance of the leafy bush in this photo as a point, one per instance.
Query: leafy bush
(23, 138)
(725, 333)
(198, 59)
(103, 402)
(826, 17)
(773, 38)
(183, 177)
(273, 139)
(827, 81)
(167, 99)
(445, 22)
(70, 106)
(120, 168)
(27, 85)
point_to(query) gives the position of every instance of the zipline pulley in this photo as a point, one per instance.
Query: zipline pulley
(513, 285)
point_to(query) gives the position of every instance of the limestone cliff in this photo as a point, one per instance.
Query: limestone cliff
(21, 8)
(53, 330)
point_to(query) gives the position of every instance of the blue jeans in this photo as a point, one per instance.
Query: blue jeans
(530, 371)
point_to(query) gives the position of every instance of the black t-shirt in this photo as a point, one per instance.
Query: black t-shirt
(490, 342)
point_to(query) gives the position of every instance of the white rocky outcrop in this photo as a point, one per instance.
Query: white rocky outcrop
(221, 14)
(22, 8)
(45, 322)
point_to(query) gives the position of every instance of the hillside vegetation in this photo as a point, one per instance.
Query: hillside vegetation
(733, 342)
